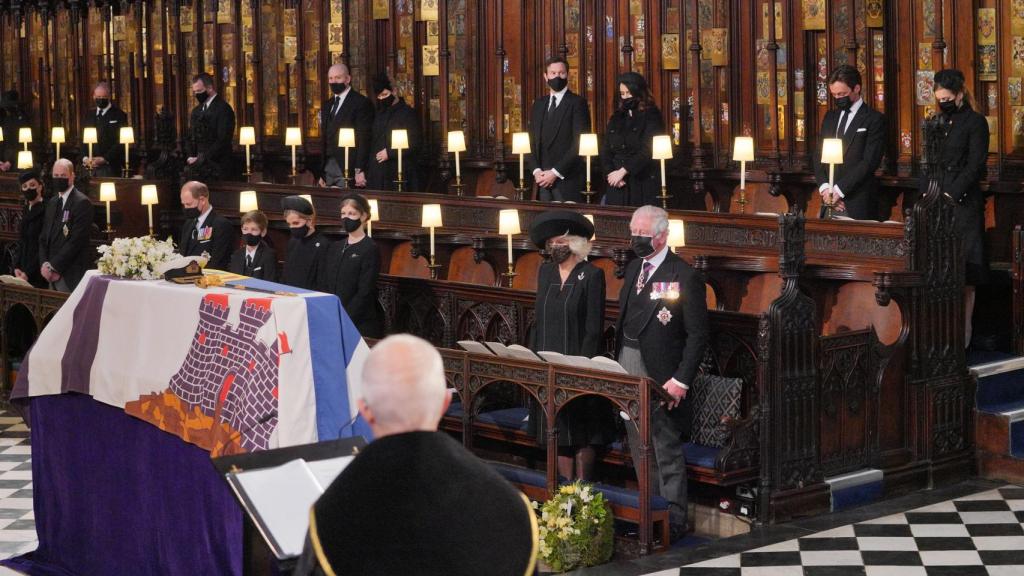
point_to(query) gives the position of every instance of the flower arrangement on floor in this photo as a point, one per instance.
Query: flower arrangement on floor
(135, 258)
(575, 528)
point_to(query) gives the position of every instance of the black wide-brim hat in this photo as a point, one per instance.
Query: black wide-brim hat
(298, 204)
(557, 223)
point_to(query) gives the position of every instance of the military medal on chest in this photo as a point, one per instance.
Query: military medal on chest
(664, 316)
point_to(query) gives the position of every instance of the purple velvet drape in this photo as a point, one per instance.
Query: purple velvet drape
(116, 495)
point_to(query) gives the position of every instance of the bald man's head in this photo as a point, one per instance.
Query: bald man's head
(403, 386)
(63, 175)
(338, 78)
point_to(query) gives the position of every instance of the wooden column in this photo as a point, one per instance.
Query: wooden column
(697, 154)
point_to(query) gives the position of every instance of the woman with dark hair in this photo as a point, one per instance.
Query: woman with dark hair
(352, 266)
(631, 173)
(959, 167)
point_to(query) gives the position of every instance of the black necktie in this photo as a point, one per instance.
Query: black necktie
(841, 127)
(336, 107)
(248, 261)
(551, 106)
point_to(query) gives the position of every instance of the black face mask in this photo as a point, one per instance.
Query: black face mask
(558, 83)
(102, 103)
(60, 185)
(201, 97)
(560, 253)
(947, 107)
(338, 87)
(31, 193)
(843, 104)
(630, 103)
(351, 224)
(385, 103)
(642, 245)
(192, 213)
(252, 239)
(300, 231)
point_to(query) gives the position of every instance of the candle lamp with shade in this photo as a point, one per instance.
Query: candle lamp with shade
(25, 137)
(57, 136)
(508, 224)
(662, 150)
(247, 138)
(431, 220)
(346, 140)
(149, 198)
(743, 152)
(591, 218)
(374, 216)
(456, 144)
(399, 141)
(24, 159)
(831, 154)
(127, 137)
(588, 148)
(293, 138)
(676, 234)
(89, 137)
(108, 194)
(247, 201)
(521, 146)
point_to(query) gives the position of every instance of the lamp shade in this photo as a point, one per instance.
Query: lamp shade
(149, 196)
(57, 135)
(247, 201)
(591, 218)
(247, 136)
(676, 233)
(127, 135)
(108, 192)
(832, 151)
(508, 222)
(456, 141)
(25, 136)
(89, 136)
(521, 143)
(588, 144)
(293, 136)
(400, 139)
(662, 148)
(432, 216)
(347, 138)
(24, 159)
(374, 212)
(308, 197)
(1, 134)
(743, 149)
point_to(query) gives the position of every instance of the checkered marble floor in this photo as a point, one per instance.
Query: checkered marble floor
(17, 522)
(981, 534)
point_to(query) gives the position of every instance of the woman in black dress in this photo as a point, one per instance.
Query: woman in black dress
(631, 172)
(307, 245)
(570, 320)
(351, 268)
(959, 167)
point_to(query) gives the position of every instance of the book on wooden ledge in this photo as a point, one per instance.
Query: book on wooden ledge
(14, 281)
(519, 352)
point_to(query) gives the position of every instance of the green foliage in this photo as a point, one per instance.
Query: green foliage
(576, 528)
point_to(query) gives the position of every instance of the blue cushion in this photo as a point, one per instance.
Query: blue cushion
(520, 475)
(856, 496)
(507, 419)
(616, 495)
(703, 456)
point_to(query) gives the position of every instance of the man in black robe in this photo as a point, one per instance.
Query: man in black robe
(415, 501)
(393, 114)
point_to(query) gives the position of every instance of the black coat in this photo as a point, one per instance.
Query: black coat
(382, 175)
(960, 168)
(27, 257)
(675, 332)
(350, 272)
(218, 239)
(863, 147)
(264, 263)
(458, 516)
(355, 112)
(210, 136)
(627, 144)
(305, 261)
(555, 143)
(108, 134)
(64, 241)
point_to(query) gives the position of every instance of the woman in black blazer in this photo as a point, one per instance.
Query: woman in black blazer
(959, 167)
(255, 258)
(632, 175)
(570, 320)
(352, 267)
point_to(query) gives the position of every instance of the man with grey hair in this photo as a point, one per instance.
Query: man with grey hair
(415, 501)
(107, 158)
(64, 249)
(346, 108)
(662, 333)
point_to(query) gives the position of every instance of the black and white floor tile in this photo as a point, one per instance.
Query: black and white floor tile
(17, 523)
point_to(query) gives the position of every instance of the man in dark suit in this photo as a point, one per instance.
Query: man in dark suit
(108, 153)
(854, 192)
(212, 126)
(556, 122)
(662, 332)
(346, 108)
(64, 243)
(205, 231)
(26, 259)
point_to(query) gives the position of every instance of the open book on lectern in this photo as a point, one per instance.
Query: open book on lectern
(519, 352)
